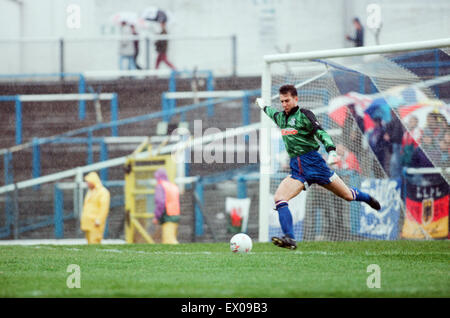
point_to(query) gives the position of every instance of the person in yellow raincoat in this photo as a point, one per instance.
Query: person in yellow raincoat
(167, 207)
(95, 209)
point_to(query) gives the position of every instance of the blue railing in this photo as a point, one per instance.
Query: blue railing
(81, 85)
(60, 215)
(90, 140)
(171, 104)
(82, 90)
(241, 177)
(57, 219)
(18, 113)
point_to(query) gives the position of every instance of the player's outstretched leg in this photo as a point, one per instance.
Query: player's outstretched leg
(338, 187)
(358, 195)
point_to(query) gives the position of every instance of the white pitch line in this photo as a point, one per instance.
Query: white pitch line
(56, 242)
(109, 250)
(392, 253)
(297, 252)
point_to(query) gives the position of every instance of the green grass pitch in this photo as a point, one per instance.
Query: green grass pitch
(315, 269)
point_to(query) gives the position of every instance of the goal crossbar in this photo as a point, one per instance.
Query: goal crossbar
(366, 50)
(205, 94)
(65, 97)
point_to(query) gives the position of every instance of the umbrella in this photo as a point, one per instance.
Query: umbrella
(150, 14)
(409, 94)
(337, 108)
(154, 14)
(380, 108)
(421, 111)
(126, 16)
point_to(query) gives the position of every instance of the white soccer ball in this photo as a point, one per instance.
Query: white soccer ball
(241, 243)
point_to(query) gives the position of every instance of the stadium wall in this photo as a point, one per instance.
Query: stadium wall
(261, 27)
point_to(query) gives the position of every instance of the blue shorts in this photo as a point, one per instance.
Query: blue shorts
(310, 168)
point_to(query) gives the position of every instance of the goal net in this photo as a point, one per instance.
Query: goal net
(386, 109)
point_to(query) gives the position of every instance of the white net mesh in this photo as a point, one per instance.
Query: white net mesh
(385, 112)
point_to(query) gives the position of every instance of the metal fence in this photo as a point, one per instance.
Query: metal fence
(63, 55)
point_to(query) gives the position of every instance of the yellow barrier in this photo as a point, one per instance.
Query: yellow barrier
(139, 191)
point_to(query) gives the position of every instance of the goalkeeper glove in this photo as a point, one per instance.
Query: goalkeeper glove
(260, 102)
(333, 158)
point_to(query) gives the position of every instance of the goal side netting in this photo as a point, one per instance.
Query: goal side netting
(386, 109)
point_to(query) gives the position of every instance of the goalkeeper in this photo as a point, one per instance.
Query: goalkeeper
(299, 127)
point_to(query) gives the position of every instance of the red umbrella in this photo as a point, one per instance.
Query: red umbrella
(129, 17)
(421, 111)
(338, 108)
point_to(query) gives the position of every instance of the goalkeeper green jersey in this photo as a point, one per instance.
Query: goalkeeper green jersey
(299, 130)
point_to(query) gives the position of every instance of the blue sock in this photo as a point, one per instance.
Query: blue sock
(359, 195)
(285, 217)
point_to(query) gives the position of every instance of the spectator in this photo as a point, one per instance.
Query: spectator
(95, 209)
(358, 40)
(347, 160)
(444, 147)
(435, 126)
(156, 15)
(377, 142)
(126, 47)
(161, 17)
(167, 207)
(358, 118)
(433, 133)
(441, 126)
(423, 156)
(136, 47)
(354, 129)
(161, 48)
(393, 137)
(410, 140)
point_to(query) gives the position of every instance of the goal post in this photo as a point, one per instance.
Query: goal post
(406, 79)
